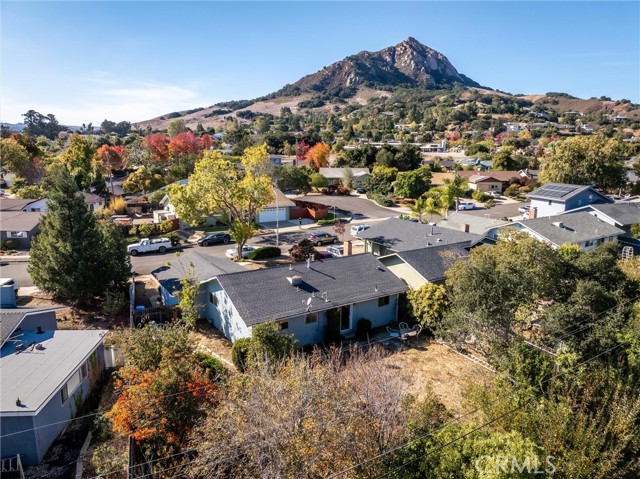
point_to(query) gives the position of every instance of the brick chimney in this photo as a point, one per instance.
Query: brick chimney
(348, 248)
(533, 213)
(465, 227)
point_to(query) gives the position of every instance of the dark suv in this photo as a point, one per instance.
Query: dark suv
(214, 238)
(322, 237)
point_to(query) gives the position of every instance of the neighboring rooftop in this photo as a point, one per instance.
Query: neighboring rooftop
(15, 204)
(563, 192)
(482, 178)
(266, 294)
(575, 227)
(19, 220)
(403, 235)
(282, 200)
(10, 318)
(478, 225)
(204, 268)
(623, 214)
(434, 261)
(34, 375)
(338, 173)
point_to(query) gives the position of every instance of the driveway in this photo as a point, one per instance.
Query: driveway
(359, 206)
(510, 210)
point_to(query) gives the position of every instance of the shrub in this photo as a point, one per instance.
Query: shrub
(166, 226)
(265, 252)
(8, 245)
(240, 353)
(113, 303)
(635, 230)
(174, 238)
(134, 231)
(490, 203)
(479, 196)
(146, 229)
(363, 328)
(214, 369)
(118, 205)
(380, 199)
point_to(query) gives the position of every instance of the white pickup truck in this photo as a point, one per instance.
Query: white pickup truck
(148, 246)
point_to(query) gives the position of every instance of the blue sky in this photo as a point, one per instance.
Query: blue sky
(87, 61)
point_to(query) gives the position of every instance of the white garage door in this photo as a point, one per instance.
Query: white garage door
(268, 215)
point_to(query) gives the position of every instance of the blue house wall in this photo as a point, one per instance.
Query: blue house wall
(554, 207)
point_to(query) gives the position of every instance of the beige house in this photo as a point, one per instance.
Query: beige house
(485, 183)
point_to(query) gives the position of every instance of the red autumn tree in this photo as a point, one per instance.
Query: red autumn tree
(185, 143)
(318, 156)
(206, 141)
(158, 143)
(301, 151)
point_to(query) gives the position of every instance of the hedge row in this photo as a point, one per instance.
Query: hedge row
(265, 252)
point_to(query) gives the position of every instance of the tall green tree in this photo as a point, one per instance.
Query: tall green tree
(75, 257)
(414, 183)
(585, 160)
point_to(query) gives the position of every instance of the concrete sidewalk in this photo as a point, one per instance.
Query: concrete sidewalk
(16, 258)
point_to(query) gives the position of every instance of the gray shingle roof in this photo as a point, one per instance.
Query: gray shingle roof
(576, 228)
(477, 224)
(563, 192)
(402, 235)
(15, 204)
(205, 267)
(10, 319)
(434, 261)
(19, 220)
(624, 214)
(266, 294)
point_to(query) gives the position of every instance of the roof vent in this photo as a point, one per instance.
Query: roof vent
(558, 224)
(18, 402)
(295, 280)
(40, 331)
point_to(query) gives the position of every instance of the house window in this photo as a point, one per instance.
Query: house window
(64, 394)
(284, 325)
(213, 299)
(549, 202)
(311, 318)
(16, 234)
(383, 301)
(83, 370)
(588, 243)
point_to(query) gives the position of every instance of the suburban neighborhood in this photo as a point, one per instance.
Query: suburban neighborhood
(383, 269)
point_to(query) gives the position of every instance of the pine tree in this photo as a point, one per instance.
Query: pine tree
(75, 257)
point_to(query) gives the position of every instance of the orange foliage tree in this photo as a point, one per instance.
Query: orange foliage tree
(185, 143)
(206, 141)
(162, 388)
(109, 158)
(158, 143)
(318, 156)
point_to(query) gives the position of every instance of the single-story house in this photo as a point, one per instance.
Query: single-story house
(485, 183)
(279, 208)
(426, 265)
(46, 374)
(555, 198)
(335, 176)
(94, 202)
(478, 225)
(205, 269)
(579, 228)
(19, 226)
(395, 235)
(303, 298)
(505, 177)
(622, 215)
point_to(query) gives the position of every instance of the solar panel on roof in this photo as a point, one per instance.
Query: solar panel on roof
(555, 191)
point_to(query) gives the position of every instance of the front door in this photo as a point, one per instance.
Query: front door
(345, 318)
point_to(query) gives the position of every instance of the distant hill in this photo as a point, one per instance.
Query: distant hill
(359, 78)
(14, 126)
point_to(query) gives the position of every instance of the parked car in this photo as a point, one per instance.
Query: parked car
(336, 251)
(232, 253)
(148, 246)
(322, 237)
(360, 190)
(214, 238)
(524, 209)
(355, 229)
(324, 254)
(495, 194)
(10, 281)
(465, 205)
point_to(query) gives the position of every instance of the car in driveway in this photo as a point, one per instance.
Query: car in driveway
(524, 209)
(466, 205)
(360, 190)
(495, 194)
(319, 238)
(355, 229)
(324, 254)
(232, 253)
(214, 238)
(335, 251)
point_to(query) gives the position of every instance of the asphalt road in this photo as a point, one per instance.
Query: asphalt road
(499, 211)
(360, 207)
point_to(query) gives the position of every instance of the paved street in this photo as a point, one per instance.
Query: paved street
(499, 211)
